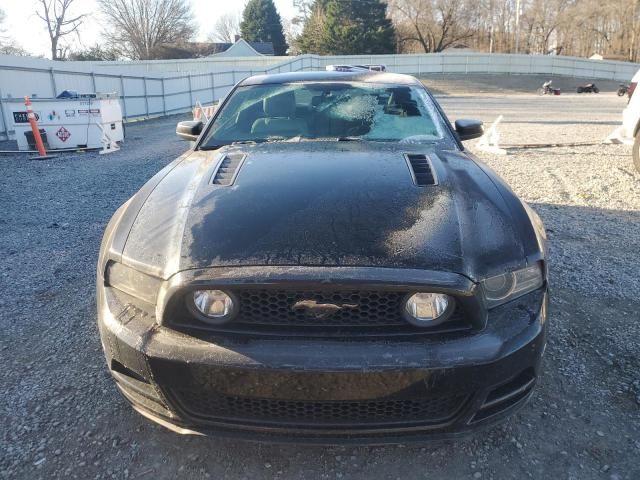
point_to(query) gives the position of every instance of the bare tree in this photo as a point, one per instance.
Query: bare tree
(434, 24)
(8, 46)
(225, 28)
(139, 28)
(292, 31)
(569, 27)
(54, 14)
(305, 10)
(3, 17)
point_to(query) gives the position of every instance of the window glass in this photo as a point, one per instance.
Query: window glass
(368, 111)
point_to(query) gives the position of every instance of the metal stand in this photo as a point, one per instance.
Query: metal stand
(617, 137)
(108, 145)
(489, 142)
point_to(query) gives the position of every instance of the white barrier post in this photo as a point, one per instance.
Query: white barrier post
(490, 141)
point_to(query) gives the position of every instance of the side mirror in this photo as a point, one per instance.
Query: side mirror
(469, 129)
(189, 130)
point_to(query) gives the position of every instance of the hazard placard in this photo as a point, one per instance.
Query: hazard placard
(63, 134)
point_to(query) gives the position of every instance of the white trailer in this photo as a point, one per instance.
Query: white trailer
(77, 122)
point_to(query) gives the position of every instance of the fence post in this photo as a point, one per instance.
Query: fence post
(93, 82)
(124, 98)
(190, 91)
(146, 98)
(3, 118)
(213, 88)
(164, 101)
(53, 82)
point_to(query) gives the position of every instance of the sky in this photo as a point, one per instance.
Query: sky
(30, 33)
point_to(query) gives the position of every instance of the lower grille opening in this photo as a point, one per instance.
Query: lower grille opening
(506, 395)
(118, 367)
(503, 391)
(203, 404)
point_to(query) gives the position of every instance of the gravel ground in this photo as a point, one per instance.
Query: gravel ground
(499, 84)
(63, 417)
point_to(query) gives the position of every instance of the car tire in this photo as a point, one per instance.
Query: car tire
(636, 151)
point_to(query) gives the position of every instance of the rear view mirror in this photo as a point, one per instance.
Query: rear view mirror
(189, 130)
(469, 129)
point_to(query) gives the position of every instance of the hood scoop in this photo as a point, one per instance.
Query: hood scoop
(422, 171)
(228, 169)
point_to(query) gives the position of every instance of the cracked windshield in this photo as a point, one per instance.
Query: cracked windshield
(342, 111)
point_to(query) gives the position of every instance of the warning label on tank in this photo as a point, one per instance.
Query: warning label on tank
(63, 134)
(23, 117)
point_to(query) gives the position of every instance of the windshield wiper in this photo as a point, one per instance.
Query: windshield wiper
(243, 142)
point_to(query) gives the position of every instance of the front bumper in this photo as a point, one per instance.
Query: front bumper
(328, 391)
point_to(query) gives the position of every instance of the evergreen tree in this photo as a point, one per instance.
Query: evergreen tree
(261, 23)
(312, 39)
(348, 27)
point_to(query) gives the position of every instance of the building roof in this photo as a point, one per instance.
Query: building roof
(261, 48)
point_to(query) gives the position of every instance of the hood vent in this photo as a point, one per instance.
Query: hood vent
(421, 169)
(228, 169)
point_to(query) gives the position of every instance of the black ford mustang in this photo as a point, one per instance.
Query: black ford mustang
(327, 264)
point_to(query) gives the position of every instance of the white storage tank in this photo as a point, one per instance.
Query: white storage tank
(69, 121)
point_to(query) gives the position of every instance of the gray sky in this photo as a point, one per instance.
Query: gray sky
(29, 31)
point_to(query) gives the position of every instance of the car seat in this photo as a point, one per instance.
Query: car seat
(401, 103)
(280, 117)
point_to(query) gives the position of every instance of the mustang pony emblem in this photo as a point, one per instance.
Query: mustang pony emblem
(320, 310)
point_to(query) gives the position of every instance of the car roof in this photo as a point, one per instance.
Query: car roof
(328, 76)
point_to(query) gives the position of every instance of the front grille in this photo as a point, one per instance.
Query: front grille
(205, 405)
(360, 312)
(359, 308)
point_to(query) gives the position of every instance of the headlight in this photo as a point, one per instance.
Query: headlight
(426, 309)
(509, 286)
(212, 306)
(132, 282)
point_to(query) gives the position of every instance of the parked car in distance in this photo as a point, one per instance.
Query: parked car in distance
(327, 264)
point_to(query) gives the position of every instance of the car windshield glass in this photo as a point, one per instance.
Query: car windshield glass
(342, 110)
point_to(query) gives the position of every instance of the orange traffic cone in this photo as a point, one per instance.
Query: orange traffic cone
(36, 132)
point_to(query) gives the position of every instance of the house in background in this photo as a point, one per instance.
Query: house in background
(241, 48)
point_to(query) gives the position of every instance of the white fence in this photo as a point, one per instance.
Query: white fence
(174, 86)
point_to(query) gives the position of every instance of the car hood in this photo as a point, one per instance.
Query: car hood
(325, 205)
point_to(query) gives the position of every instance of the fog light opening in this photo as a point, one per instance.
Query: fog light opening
(212, 306)
(426, 309)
